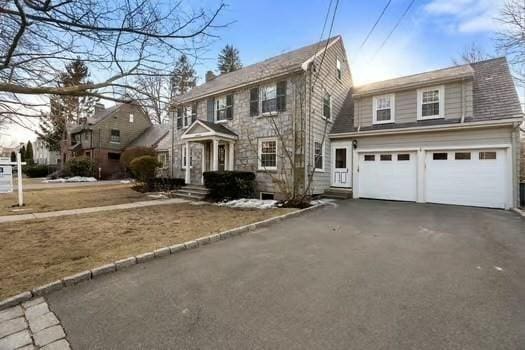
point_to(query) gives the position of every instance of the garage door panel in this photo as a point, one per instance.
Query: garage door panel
(387, 175)
(473, 182)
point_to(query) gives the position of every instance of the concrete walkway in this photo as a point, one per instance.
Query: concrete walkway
(52, 185)
(52, 214)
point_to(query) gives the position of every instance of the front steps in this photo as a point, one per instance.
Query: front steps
(337, 193)
(192, 192)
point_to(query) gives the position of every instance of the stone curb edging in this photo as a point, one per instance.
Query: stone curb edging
(144, 257)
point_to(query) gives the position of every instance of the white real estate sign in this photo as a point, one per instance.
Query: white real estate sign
(6, 176)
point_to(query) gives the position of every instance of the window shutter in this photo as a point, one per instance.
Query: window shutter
(254, 102)
(194, 112)
(229, 107)
(281, 96)
(211, 105)
(179, 117)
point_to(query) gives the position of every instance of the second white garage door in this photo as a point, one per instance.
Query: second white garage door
(388, 175)
(466, 177)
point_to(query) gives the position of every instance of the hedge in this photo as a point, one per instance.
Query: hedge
(37, 170)
(165, 184)
(229, 184)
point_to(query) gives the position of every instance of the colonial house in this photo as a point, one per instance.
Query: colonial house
(447, 136)
(270, 118)
(108, 133)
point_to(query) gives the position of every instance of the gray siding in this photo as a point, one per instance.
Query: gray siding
(458, 102)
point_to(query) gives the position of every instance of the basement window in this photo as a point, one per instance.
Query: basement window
(266, 196)
(113, 156)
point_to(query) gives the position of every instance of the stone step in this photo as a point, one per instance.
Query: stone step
(194, 188)
(190, 196)
(337, 193)
(193, 191)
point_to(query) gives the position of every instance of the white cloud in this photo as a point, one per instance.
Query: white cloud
(466, 16)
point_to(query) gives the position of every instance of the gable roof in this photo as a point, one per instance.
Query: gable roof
(285, 63)
(150, 137)
(494, 96)
(214, 130)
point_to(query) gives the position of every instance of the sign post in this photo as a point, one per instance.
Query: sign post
(6, 176)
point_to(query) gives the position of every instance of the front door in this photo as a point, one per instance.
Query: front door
(341, 166)
(222, 157)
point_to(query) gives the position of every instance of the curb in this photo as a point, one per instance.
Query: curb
(519, 211)
(144, 257)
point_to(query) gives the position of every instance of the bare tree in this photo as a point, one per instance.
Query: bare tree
(120, 40)
(154, 96)
(511, 38)
(471, 54)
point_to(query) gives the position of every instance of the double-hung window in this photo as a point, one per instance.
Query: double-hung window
(338, 67)
(273, 98)
(327, 106)
(189, 115)
(268, 154)
(430, 103)
(180, 117)
(318, 156)
(224, 108)
(131, 118)
(162, 157)
(383, 109)
(115, 136)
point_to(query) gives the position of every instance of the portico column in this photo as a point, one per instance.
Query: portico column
(215, 164)
(187, 178)
(230, 158)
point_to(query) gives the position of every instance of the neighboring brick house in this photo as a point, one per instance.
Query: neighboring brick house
(269, 118)
(108, 133)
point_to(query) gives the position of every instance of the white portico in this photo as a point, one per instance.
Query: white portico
(218, 146)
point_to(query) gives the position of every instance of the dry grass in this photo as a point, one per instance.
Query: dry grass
(39, 252)
(70, 198)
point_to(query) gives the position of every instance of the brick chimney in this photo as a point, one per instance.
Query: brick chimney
(210, 76)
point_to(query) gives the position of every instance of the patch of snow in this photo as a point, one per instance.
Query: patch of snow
(72, 179)
(498, 268)
(249, 203)
(125, 181)
(328, 201)
(157, 196)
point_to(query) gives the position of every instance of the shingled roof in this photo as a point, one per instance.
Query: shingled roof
(494, 95)
(150, 137)
(272, 67)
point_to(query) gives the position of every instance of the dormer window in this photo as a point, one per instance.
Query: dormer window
(384, 109)
(430, 103)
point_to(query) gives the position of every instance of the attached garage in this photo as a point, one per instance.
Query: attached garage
(462, 176)
(466, 177)
(388, 175)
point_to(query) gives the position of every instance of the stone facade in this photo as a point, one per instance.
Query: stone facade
(295, 128)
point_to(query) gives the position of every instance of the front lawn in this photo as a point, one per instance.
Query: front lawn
(70, 198)
(39, 252)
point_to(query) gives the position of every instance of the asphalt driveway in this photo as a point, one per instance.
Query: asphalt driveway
(364, 275)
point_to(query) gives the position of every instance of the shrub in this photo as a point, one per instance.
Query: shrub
(143, 168)
(80, 166)
(132, 153)
(165, 184)
(36, 170)
(230, 184)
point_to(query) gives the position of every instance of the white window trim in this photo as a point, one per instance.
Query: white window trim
(182, 158)
(185, 123)
(259, 144)
(329, 120)
(441, 89)
(215, 109)
(111, 137)
(261, 100)
(320, 170)
(164, 155)
(131, 118)
(338, 70)
(392, 109)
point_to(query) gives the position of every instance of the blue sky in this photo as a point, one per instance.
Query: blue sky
(433, 32)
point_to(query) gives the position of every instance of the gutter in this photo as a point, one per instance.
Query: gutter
(430, 128)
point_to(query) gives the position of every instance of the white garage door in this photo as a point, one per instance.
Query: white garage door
(466, 177)
(388, 175)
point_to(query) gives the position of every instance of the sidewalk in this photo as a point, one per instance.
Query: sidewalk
(45, 186)
(52, 214)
